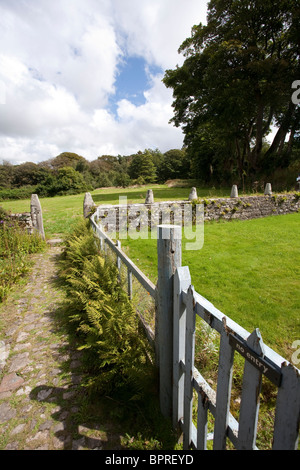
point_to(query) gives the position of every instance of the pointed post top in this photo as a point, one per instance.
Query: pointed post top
(88, 204)
(36, 215)
(256, 343)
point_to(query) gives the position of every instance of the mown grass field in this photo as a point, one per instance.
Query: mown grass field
(249, 270)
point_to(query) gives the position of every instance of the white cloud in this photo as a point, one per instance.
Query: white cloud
(25, 150)
(58, 65)
(155, 29)
(31, 105)
(151, 118)
(63, 44)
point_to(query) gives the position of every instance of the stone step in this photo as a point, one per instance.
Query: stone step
(55, 241)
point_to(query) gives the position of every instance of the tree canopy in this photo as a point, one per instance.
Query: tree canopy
(236, 82)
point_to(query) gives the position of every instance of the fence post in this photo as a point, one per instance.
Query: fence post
(182, 281)
(169, 258)
(286, 426)
(129, 283)
(118, 245)
(189, 369)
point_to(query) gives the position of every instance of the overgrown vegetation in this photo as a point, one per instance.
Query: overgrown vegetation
(107, 329)
(16, 244)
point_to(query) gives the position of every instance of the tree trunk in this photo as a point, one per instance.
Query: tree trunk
(259, 134)
(282, 131)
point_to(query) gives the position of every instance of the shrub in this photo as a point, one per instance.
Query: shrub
(24, 192)
(16, 244)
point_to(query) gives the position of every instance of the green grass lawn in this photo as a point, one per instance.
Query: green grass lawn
(249, 270)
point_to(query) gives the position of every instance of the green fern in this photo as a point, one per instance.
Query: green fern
(119, 355)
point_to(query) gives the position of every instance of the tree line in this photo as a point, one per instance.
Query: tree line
(70, 173)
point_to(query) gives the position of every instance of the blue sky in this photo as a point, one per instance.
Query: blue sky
(132, 80)
(86, 76)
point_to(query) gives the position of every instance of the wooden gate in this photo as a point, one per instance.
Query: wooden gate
(259, 360)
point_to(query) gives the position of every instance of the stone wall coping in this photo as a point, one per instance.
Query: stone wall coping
(199, 200)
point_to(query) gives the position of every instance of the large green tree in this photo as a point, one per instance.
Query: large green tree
(236, 81)
(68, 181)
(69, 159)
(142, 167)
(174, 164)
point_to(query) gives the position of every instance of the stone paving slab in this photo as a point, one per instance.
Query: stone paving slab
(10, 382)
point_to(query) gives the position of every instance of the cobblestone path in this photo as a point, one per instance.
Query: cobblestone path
(42, 405)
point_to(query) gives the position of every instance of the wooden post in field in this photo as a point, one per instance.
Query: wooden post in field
(36, 215)
(118, 245)
(169, 258)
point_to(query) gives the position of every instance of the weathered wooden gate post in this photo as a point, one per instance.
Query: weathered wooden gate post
(169, 258)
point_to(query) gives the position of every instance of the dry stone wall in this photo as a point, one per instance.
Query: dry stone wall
(24, 220)
(119, 217)
(33, 220)
(250, 207)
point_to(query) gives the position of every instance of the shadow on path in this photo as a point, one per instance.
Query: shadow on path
(71, 424)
